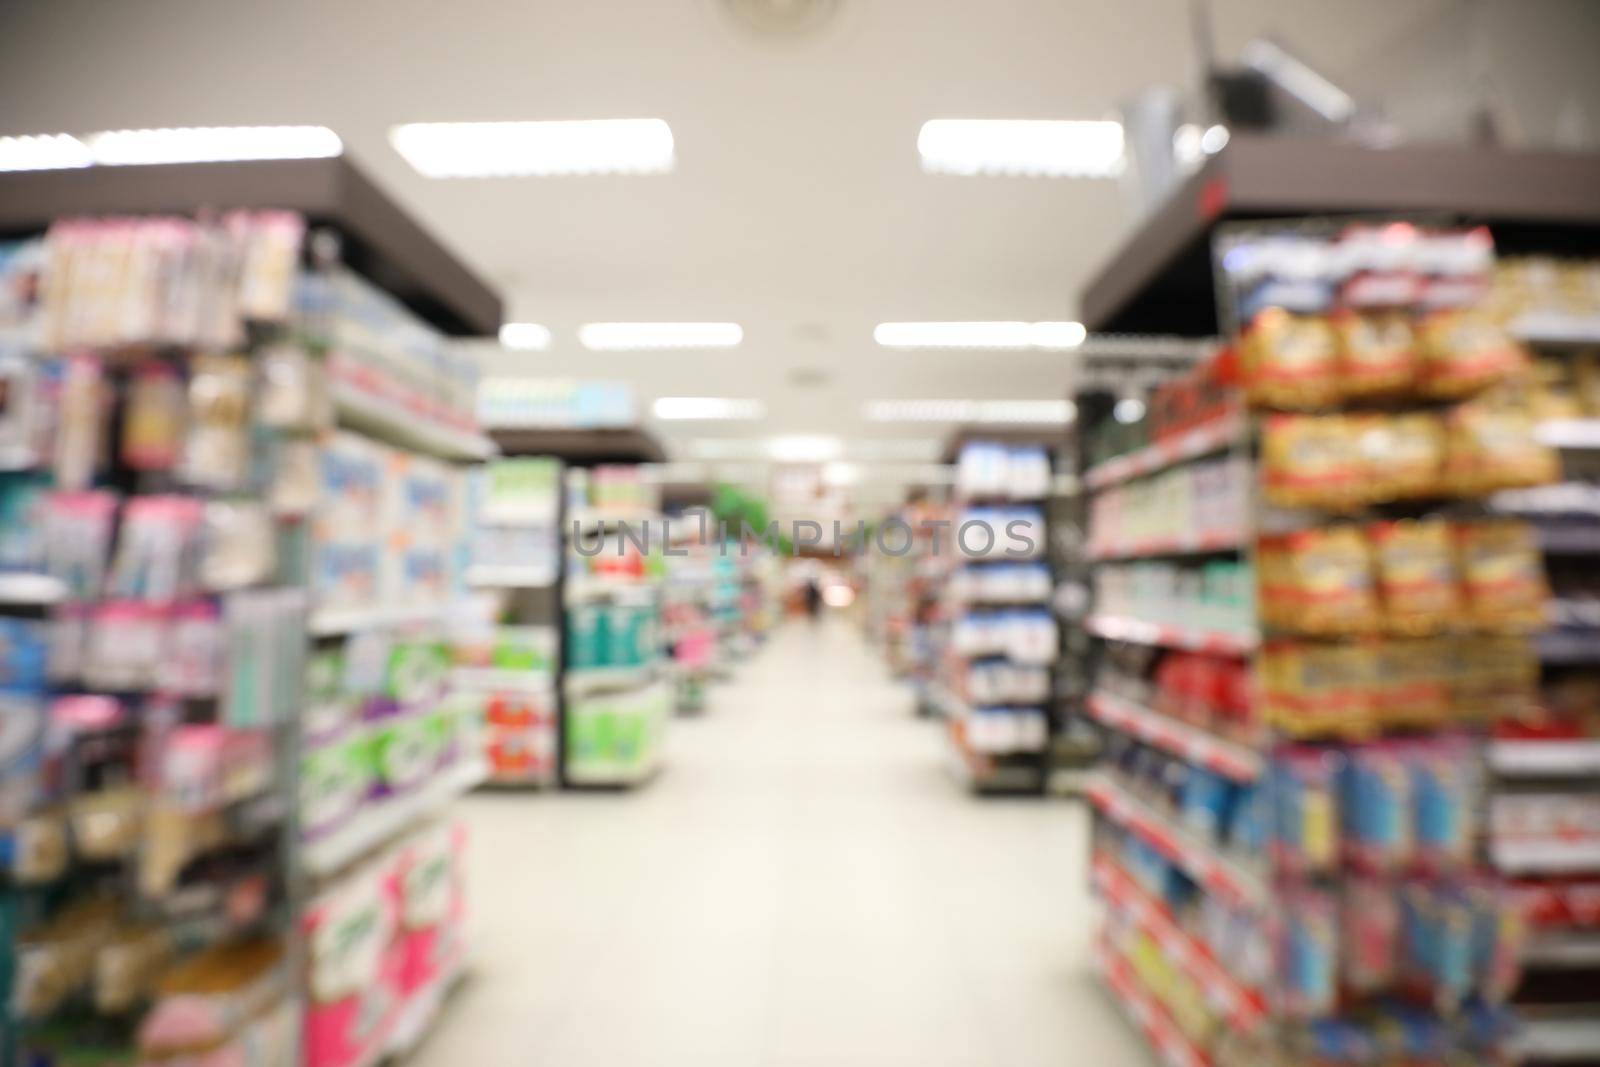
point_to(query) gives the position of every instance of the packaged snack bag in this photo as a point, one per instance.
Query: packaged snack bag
(1415, 562)
(1493, 677)
(1305, 810)
(1377, 356)
(1444, 796)
(1492, 446)
(1310, 460)
(1401, 457)
(1309, 954)
(1315, 689)
(1290, 361)
(1413, 682)
(1502, 575)
(1370, 924)
(1464, 351)
(1376, 815)
(1327, 582)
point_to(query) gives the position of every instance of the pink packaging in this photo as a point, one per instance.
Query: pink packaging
(354, 986)
(431, 908)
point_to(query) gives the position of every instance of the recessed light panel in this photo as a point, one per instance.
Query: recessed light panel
(213, 144)
(44, 151)
(535, 149)
(708, 408)
(525, 336)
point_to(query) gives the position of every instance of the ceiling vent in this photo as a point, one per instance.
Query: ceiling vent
(780, 20)
(808, 377)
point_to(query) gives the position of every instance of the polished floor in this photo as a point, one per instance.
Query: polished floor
(802, 885)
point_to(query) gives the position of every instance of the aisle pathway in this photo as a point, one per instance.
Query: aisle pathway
(802, 885)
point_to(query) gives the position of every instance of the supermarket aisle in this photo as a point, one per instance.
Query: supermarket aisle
(802, 886)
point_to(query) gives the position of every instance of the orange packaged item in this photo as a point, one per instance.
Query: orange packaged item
(1502, 575)
(1311, 689)
(1465, 351)
(1415, 562)
(1414, 682)
(1493, 446)
(1377, 355)
(1496, 677)
(1290, 361)
(1326, 582)
(1402, 456)
(1310, 461)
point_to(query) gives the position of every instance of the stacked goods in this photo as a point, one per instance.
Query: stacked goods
(179, 508)
(1305, 804)
(616, 701)
(1184, 416)
(148, 663)
(1000, 639)
(1197, 505)
(383, 945)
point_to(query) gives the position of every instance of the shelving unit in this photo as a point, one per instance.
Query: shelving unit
(1011, 471)
(631, 690)
(1162, 279)
(1170, 635)
(358, 245)
(1200, 747)
(514, 669)
(1168, 278)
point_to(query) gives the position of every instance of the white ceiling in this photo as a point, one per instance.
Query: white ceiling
(797, 207)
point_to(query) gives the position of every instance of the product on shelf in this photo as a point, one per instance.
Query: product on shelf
(986, 469)
(1333, 785)
(183, 503)
(1193, 506)
(383, 943)
(1214, 595)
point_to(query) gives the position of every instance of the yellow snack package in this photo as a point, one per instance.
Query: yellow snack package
(1312, 689)
(1416, 572)
(1464, 351)
(1310, 461)
(1290, 361)
(1402, 456)
(1495, 677)
(1327, 582)
(1377, 353)
(1414, 682)
(1493, 446)
(1502, 575)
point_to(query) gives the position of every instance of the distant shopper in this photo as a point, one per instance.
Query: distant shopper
(813, 599)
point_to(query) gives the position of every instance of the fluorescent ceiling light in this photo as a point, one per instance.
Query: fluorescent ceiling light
(44, 151)
(525, 336)
(1052, 148)
(622, 336)
(804, 448)
(1036, 412)
(708, 408)
(1052, 335)
(213, 144)
(543, 149)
